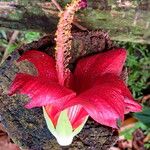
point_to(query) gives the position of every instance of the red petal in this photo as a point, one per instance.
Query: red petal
(90, 68)
(107, 100)
(43, 63)
(105, 106)
(132, 106)
(77, 115)
(114, 81)
(53, 112)
(41, 91)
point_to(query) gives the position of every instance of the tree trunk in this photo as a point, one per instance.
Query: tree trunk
(125, 20)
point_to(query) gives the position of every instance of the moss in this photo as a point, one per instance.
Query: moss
(119, 24)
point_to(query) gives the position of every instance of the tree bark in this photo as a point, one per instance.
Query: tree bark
(125, 20)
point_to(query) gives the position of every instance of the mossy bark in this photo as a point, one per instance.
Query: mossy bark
(125, 20)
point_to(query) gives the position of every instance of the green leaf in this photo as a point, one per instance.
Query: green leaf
(144, 116)
(3, 33)
(64, 127)
(3, 43)
(129, 131)
(31, 36)
(11, 48)
(147, 145)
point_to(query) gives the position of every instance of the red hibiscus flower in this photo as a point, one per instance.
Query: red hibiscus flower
(95, 89)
